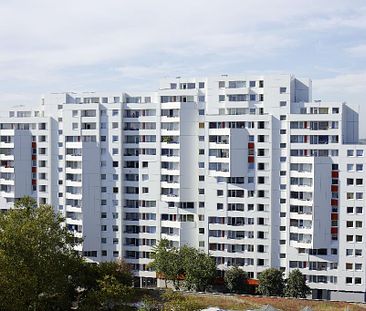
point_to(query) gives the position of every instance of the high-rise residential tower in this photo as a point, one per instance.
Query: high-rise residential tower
(248, 168)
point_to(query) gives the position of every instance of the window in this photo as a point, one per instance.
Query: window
(283, 90)
(201, 85)
(221, 98)
(75, 113)
(251, 83)
(283, 103)
(221, 84)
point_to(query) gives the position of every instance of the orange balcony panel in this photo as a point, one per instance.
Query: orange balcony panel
(250, 145)
(252, 282)
(334, 230)
(251, 159)
(334, 216)
(335, 174)
(334, 202)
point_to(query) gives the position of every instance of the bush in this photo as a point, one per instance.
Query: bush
(271, 283)
(235, 280)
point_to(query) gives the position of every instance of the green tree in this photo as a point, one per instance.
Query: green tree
(110, 295)
(235, 280)
(271, 283)
(199, 268)
(296, 285)
(39, 268)
(167, 262)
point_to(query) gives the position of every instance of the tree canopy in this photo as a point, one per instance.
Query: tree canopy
(296, 285)
(198, 268)
(271, 282)
(235, 280)
(38, 263)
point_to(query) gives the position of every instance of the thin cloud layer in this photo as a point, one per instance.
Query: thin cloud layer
(128, 45)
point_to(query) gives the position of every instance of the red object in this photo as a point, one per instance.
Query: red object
(334, 188)
(34, 157)
(34, 169)
(334, 202)
(250, 145)
(252, 282)
(334, 174)
(334, 230)
(34, 145)
(334, 216)
(251, 159)
(34, 182)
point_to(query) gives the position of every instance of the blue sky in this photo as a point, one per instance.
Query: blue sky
(121, 45)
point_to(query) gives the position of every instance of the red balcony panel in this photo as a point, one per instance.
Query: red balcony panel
(334, 202)
(250, 145)
(335, 174)
(34, 182)
(34, 145)
(334, 216)
(34, 157)
(334, 188)
(251, 159)
(34, 169)
(334, 230)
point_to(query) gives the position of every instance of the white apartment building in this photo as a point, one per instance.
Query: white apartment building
(247, 168)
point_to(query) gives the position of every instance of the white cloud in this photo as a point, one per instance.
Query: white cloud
(343, 83)
(357, 50)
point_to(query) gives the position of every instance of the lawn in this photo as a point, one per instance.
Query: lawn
(251, 302)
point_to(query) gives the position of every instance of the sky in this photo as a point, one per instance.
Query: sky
(128, 45)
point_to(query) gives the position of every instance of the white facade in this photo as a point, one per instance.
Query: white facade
(247, 168)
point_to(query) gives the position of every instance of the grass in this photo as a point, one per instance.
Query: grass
(242, 302)
(251, 302)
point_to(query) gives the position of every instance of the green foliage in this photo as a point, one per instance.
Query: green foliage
(199, 268)
(235, 280)
(271, 283)
(150, 304)
(108, 286)
(167, 262)
(39, 268)
(296, 285)
(118, 269)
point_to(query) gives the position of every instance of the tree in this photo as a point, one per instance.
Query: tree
(271, 283)
(296, 285)
(235, 280)
(108, 286)
(199, 268)
(110, 295)
(167, 262)
(39, 267)
(118, 269)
